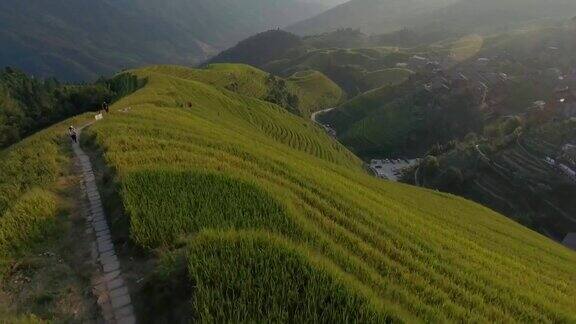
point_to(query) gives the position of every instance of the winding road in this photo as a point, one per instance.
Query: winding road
(318, 113)
(327, 128)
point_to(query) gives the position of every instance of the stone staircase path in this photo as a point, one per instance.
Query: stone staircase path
(109, 286)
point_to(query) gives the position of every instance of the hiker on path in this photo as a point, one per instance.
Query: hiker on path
(105, 107)
(73, 134)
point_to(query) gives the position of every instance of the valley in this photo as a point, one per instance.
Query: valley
(500, 91)
(83, 40)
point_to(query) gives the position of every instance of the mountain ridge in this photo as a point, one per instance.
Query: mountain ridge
(81, 40)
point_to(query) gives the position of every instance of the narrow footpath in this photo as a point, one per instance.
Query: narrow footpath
(109, 286)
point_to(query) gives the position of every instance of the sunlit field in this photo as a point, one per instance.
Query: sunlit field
(281, 223)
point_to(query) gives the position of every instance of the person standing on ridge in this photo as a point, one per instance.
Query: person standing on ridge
(73, 134)
(105, 107)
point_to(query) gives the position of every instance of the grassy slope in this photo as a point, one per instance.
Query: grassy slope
(384, 77)
(314, 90)
(372, 121)
(26, 198)
(307, 232)
(33, 222)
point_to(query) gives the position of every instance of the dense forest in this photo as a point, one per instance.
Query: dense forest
(28, 104)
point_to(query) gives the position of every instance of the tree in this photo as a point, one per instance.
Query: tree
(430, 166)
(278, 94)
(28, 104)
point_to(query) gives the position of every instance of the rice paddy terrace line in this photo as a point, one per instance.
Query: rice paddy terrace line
(366, 249)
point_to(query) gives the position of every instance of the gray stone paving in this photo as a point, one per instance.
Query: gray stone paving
(109, 286)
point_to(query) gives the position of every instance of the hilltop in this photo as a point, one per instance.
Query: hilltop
(82, 40)
(302, 93)
(345, 56)
(229, 193)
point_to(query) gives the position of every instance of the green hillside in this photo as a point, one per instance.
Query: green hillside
(313, 89)
(345, 56)
(254, 189)
(39, 275)
(316, 91)
(253, 209)
(392, 76)
(404, 119)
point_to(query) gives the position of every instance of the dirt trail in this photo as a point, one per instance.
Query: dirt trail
(109, 286)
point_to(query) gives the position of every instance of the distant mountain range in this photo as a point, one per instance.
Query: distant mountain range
(384, 16)
(79, 40)
(370, 16)
(82, 39)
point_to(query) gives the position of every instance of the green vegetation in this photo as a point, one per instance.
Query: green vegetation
(512, 176)
(28, 105)
(392, 76)
(270, 45)
(403, 120)
(302, 94)
(315, 91)
(27, 220)
(199, 197)
(345, 56)
(271, 214)
(292, 283)
(42, 277)
(278, 94)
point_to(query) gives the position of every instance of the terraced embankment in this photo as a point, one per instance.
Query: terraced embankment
(237, 183)
(253, 214)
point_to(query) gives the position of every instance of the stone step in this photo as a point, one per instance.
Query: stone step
(113, 294)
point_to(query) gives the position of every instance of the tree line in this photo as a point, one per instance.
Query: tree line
(28, 104)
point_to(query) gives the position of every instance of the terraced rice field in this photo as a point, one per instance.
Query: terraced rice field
(281, 223)
(314, 90)
(277, 222)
